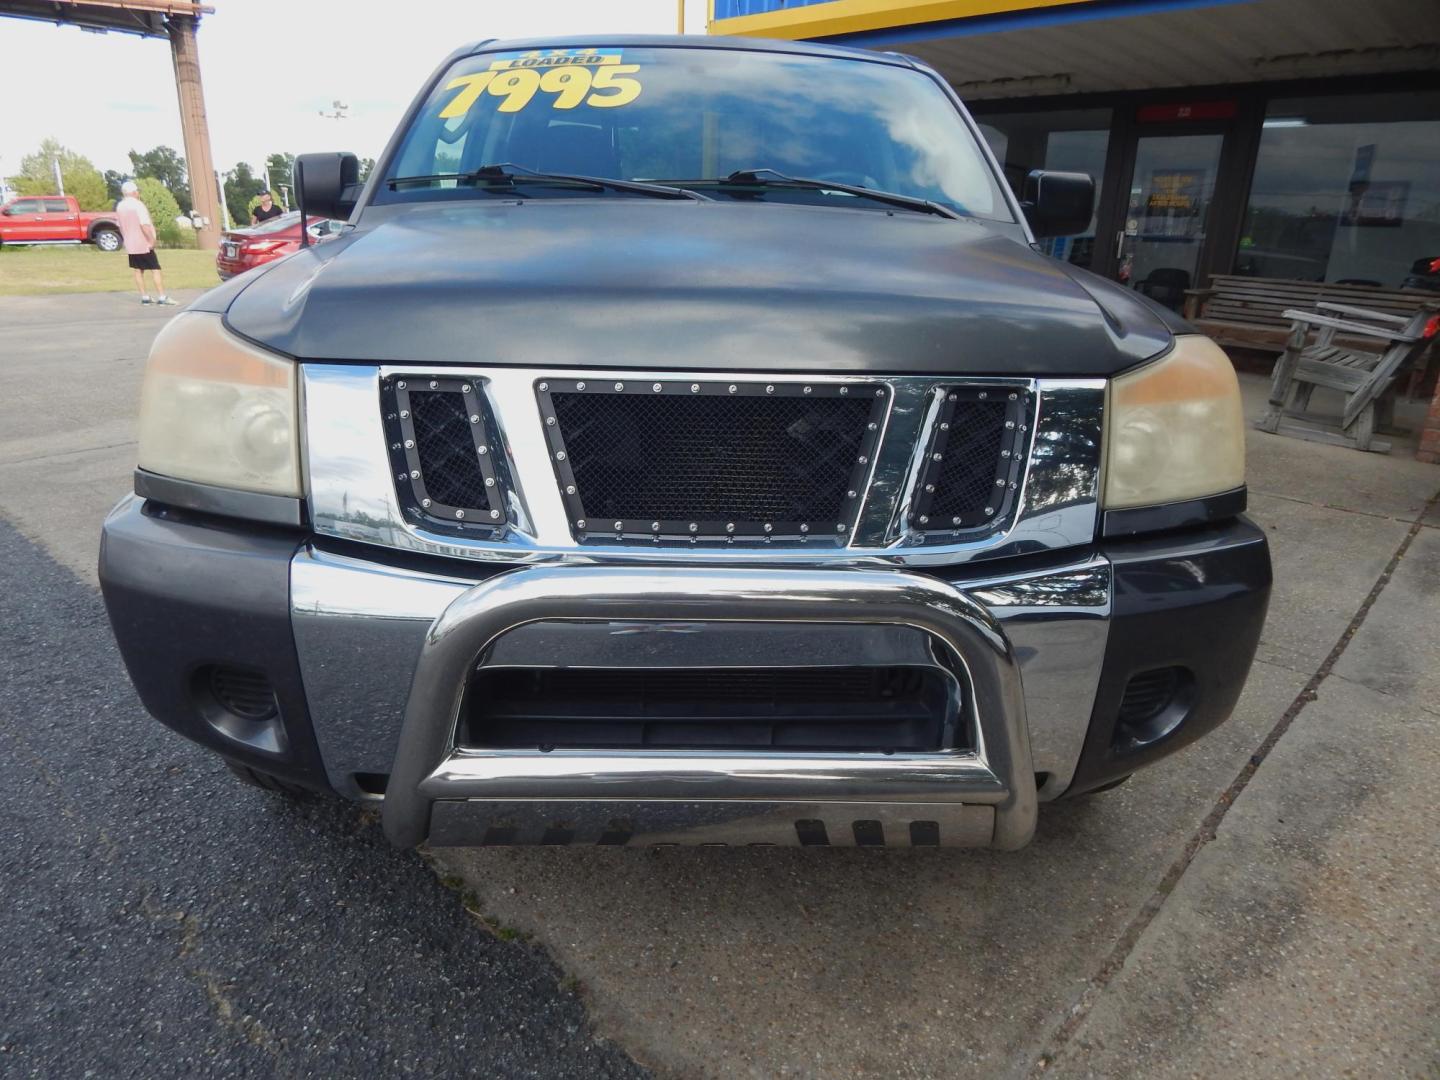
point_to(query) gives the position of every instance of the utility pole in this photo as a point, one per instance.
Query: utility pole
(680, 16)
(59, 180)
(193, 125)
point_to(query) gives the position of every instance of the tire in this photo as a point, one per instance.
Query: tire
(107, 239)
(267, 782)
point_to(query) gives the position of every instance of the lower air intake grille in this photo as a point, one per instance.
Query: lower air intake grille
(443, 447)
(975, 459)
(1149, 694)
(712, 460)
(898, 708)
(247, 694)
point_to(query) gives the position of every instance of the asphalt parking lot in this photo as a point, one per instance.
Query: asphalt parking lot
(1261, 902)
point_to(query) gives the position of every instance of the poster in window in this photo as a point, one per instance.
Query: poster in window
(1175, 202)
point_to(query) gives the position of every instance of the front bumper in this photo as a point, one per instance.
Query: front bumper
(369, 655)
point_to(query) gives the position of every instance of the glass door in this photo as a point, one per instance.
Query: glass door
(1160, 246)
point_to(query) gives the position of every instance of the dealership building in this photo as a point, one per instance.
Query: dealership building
(1289, 139)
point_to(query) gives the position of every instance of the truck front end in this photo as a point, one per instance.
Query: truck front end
(651, 464)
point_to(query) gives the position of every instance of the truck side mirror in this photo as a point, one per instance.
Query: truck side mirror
(327, 185)
(1058, 203)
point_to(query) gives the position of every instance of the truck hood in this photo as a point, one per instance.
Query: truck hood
(727, 286)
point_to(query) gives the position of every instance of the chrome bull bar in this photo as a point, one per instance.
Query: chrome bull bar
(456, 795)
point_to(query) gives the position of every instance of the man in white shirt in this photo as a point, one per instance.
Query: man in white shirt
(138, 232)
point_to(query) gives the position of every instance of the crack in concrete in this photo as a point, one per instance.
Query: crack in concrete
(242, 1022)
(66, 453)
(1420, 518)
(217, 990)
(1062, 1037)
(1386, 693)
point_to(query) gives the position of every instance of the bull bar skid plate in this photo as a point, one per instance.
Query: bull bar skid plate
(452, 795)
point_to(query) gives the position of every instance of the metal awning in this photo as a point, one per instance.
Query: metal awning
(143, 17)
(1014, 49)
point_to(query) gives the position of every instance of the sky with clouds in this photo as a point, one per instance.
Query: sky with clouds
(269, 68)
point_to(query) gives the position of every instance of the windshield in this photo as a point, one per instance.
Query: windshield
(672, 115)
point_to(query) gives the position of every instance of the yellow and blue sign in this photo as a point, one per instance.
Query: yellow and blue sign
(880, 23)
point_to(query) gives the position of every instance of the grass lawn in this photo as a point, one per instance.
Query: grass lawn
(30, 271)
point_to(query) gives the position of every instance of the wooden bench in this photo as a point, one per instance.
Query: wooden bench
(1249, 312)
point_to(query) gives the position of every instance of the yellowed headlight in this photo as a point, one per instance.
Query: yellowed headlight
(216, 410)
(1176, 429)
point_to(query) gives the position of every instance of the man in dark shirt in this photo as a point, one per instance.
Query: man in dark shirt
(266, 210)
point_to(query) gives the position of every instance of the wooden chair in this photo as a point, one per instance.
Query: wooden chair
(1362, 375)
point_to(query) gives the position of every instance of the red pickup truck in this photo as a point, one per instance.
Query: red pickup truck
(56, 219)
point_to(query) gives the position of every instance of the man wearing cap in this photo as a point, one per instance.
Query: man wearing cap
(138, 233)
(266, 210)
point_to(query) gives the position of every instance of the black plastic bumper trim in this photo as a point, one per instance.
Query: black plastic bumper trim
(184, 593)
(1199, 606)
(1178, 515)
(226, 502)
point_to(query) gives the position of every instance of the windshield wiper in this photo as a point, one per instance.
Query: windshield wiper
(507, 175)
(775, 178)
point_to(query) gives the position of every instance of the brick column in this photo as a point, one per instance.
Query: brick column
(1430, 432)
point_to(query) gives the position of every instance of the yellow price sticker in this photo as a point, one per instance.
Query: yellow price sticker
(567, 76)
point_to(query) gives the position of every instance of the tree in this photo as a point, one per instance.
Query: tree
(164, 164)
(113, 180)
(240, 187)
(281, 168)
(81, 178)
(367, 166)
(163, 210)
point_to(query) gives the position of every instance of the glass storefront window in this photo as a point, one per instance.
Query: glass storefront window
(1346, 189)
(1072, 140)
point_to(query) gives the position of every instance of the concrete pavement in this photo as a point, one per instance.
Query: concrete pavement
(1124, 941)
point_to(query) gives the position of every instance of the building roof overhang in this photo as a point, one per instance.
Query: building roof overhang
(1029, 48)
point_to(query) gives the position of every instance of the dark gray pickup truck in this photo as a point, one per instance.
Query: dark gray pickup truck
(686, 442)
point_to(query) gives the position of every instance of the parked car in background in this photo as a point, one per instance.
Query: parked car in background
(56, 219)
(245, 249)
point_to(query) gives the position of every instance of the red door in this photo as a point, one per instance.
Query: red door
(23, 220)
(60, 221)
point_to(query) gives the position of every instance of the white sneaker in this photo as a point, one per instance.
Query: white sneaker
(165, 301)
(146, 299)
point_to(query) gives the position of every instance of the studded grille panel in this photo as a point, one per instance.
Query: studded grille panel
(742, 461)
(975, 460)
(443, 446)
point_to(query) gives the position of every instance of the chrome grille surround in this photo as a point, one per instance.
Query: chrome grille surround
(352, 486)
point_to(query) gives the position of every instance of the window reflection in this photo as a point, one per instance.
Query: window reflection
(1346, 189)
(1073, 140)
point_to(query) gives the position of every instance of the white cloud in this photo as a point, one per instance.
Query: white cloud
(269, 68)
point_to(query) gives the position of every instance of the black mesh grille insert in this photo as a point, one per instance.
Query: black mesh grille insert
(975, 459)
(702, 454)
(901, 708)
(966, 481)
(446, 448)
(449, 466)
